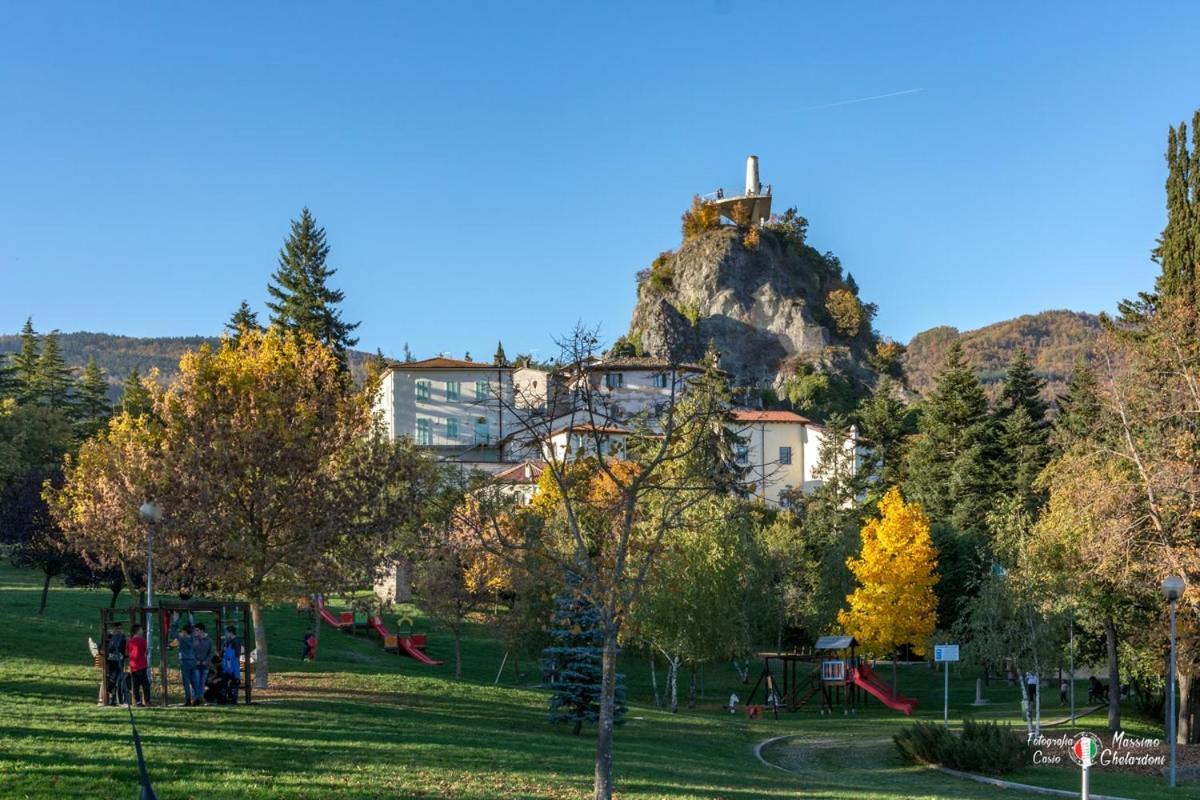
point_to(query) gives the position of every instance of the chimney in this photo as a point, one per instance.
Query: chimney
(752, 184)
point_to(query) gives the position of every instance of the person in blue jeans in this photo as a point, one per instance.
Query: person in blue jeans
(187, 661)
(202, 652)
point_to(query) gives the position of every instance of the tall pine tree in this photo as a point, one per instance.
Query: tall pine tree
(8, 377)
(54, 378)
(135, 397)
(1023, 430)
(92, 408)
(1078, 408)
(885, 424)
(25, 364)
(302, 299)
(950, 469)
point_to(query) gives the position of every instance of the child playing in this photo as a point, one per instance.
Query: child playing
(310, 647)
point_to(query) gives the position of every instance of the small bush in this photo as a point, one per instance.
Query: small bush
(750, 240)
(700, 218)
(662, 275)
(845, 310)
(988, 747)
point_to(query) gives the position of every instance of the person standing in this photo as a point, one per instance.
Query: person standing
(1031, 686)
(202, 651)
(187, 661)
(114, 661)
(139, 667)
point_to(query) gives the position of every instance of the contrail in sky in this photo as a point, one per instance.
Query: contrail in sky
(862, 99)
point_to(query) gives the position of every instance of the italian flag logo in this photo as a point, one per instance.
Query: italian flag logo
(1085, 749)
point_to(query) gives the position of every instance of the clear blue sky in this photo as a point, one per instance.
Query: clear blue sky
(502, 170)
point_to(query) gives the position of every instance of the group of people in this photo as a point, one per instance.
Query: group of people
(210, 674)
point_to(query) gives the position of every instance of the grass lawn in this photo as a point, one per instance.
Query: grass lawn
(362, 723)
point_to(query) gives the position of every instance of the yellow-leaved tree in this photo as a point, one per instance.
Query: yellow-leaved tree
(896, 570)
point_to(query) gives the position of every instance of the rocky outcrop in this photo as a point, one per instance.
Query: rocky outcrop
(763, 306)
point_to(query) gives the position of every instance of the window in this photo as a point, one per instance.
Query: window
(785, 455)
(481, 428)
(660, 380)
(451, 428)
(481, 390)
(424, 432)
(423, 390)
(452, 389)
(614, 380)
(741, 454)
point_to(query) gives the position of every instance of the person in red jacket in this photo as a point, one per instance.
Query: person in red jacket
(139, 669)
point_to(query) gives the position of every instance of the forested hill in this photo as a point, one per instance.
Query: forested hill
(117, 355)
(1054, 340)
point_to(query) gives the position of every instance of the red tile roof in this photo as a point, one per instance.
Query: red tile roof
(525, 472)
(441, 362)
(757, 415)
(587, 427)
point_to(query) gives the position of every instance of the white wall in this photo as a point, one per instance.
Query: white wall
(402, 408)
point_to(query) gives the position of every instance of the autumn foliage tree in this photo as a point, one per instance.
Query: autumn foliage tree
(894, 603)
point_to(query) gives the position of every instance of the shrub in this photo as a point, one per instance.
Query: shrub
(986, 747)
(845, 310)
(662, 275)
(750, 240)
(700, 218)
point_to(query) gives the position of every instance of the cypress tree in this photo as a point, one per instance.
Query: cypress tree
(950, 467)
(302, 297)
(500, 359)
(91, 398)
(54, 378)
(244, 319)
(574, 660)
(25, 364)
(1176, 251)
(408, 356)
(135, 397)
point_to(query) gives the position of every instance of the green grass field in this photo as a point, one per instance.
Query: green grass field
(362, 723)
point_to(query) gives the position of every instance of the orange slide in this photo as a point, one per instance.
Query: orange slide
(865, 677)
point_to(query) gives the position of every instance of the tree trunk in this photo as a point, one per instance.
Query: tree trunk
(654, 681)
(1114, 675)
(457, 655)
(45, 592)
(115, 594)
(895, 675)
(603, 783)
(692, 688)
(1183, 731)
(404, 572)
(517, 666)
(261, 667)
(673, 682)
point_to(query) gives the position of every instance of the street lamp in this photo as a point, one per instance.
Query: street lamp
(1172, 589)
(151, 514)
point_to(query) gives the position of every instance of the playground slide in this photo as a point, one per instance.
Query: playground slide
(410, 650)
(866, 678)
(329, 618)
(379, 627)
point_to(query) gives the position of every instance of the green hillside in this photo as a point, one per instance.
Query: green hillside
(1054, 341)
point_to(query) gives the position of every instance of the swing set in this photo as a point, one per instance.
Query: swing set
(163, 621)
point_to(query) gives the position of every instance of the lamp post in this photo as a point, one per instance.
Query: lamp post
(1172, 589)
(151, 514)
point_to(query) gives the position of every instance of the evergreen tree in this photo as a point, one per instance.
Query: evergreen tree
(243, 319)
(467, 356)
(302, 298)
(1179, 244)
(135, 397)
(91, 398)
(408, 355)
(574, 659)
(1078, 408)
(54, 378)
(25, 364)
(1023, 431)
(500, 359)
(885, 422)
(950, 468)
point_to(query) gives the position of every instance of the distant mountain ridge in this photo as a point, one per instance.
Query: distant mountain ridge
(1054, 340)
(117, 355)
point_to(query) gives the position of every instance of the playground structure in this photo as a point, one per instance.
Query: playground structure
(410, 644)
(843, 679)
(166, 618)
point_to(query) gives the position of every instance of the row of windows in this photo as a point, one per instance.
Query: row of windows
(616, 380)
(453, 390)
(742, 454)
(450, 426)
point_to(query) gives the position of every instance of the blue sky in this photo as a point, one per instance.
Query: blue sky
(498, 170)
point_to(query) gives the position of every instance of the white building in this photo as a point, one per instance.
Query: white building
(780, 450)
(460, 409)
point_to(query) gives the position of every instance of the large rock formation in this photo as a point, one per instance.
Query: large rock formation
(763, 305)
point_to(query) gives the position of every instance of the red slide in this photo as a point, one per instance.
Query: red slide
(410, 650)
(866, 678)
(329, 618)
(379, 627)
